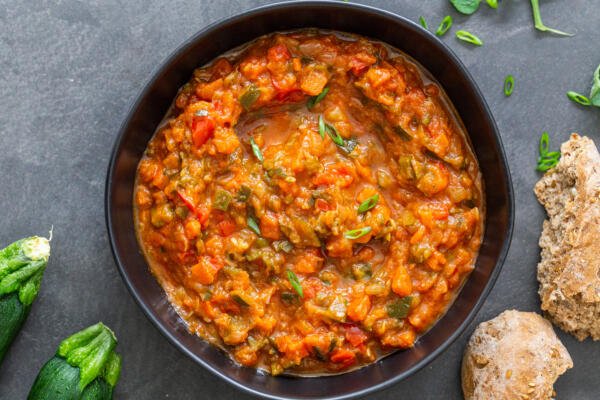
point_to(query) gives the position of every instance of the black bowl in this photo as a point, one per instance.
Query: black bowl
(154, 101)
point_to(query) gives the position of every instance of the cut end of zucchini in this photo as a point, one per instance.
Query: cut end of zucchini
(36, 248)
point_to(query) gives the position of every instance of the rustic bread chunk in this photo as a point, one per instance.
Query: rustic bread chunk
(569, 270)
(516, 355)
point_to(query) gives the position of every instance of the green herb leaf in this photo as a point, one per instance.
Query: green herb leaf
(314, 100)
(423, 22)
(468, 37)
(467, 7)
(295, 282)
(253, 225)
(547, 159)
(357, 233)
(537, 20)
(222, 200)
(256, 150)
(400, 308)
(509, 85)
(492, 3)
(321, 127)
(445, 25)
(368, 204)
(249, 97)
(578, 98)
(595, 92)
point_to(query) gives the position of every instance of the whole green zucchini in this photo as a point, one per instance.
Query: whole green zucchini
(85, 367)
(22, 266)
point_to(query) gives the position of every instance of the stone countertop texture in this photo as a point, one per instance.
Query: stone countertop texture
(71, 69)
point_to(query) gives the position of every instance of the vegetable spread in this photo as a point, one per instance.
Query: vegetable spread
(310, 202)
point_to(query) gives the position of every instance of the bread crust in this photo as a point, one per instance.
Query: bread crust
(569, 269)
(516, 355)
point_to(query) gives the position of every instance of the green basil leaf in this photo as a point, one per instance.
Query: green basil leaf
(467, 7)
(423, 22)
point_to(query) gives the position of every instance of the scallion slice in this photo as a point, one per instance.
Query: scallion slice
(253, 225)
(368, 204)
(445, 25)
(468, 37)
(578, 98)
(357, 233)
(314, 100)
(509, 85)
(295, 282)
(256, 150)
(322, 127)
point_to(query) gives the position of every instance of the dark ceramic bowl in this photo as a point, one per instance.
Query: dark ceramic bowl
(154, 101)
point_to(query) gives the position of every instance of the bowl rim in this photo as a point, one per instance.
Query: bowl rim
(158, 71)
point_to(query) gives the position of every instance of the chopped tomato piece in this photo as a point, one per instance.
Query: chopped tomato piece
(206, 270)
(309, 262)
(226, 227)
(343, 356)
(202, 129)
(322, 205)
(278, 53)
(201, 212)
(355, 336)
(269, 226)
(359, 308)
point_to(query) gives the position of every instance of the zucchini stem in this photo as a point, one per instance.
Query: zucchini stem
(22, 266)
(91, 350)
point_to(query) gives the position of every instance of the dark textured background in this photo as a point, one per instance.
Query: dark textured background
(69, 70)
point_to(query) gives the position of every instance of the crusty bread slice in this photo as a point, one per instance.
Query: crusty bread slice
(569, 270)
(516, 355)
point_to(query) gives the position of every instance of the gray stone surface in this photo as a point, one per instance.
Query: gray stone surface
(69, 70)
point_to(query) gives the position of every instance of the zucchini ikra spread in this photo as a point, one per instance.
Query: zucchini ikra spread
(310, 202)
